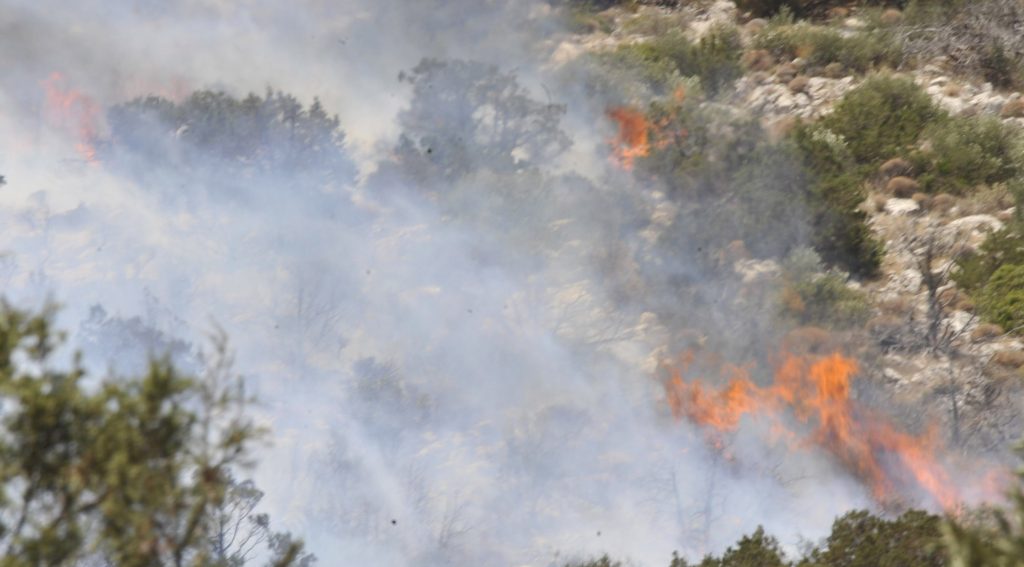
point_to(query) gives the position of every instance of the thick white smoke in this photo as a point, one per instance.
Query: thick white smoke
(447, 384)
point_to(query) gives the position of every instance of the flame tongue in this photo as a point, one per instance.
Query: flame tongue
(74, 113)
(816, 391)
(633, 139)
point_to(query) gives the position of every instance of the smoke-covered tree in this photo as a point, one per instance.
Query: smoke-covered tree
(466, 116)
(239, 531)
(134, 472)
(235, 140)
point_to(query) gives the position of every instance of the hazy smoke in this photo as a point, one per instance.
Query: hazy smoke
(452, 372)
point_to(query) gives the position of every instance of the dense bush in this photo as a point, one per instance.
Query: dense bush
(882, 118)
(960, 153)
(840, 234)
(1002, 299)
(861, 539)
(820, 46)
(973, 270)
(754, 550)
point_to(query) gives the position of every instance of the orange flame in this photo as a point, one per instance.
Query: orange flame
(73, 112)
(816, 391)
(634, 138)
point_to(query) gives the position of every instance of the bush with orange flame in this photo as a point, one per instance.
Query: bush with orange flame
(816, 392)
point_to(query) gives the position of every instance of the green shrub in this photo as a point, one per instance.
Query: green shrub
(840, 233)
(824, 301)
(974, 270)
(754, 550)
(882, 118)
(963, 152)
(820, 46)
(1002, 299)
(714, 59)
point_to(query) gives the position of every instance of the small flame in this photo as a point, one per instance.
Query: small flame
(74, 113)
(816, 391)
(633, 139)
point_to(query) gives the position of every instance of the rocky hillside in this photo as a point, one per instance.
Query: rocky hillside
(920, 112)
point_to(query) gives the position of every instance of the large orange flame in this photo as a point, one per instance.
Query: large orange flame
(816, 391)
(74, 113)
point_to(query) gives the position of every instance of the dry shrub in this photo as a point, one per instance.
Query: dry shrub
(781, 127)
(786, 72)
(798, 84)
(951, 90)
(898, 306)
(986, 331)
(902, 187)
(1006, 216)
(965, 303)
(943, 202)
(878, 201)
(834, 70)
(885, 326)
(891, 17)
(838, 12)
(757, 60)
(755, 26)
(1013, 109)
(809, 340)
(1009, 358)
(896, 167)
(987, 201)
(924, 201)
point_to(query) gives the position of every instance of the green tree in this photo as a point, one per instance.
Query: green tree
(132, 470)
(225, 143)
(754, 550)
(862, 539)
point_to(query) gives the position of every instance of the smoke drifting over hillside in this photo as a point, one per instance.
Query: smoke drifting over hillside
(460, 352)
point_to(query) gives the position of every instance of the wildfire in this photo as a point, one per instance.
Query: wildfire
(74, 113)
(816, 392)
(634, 138)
